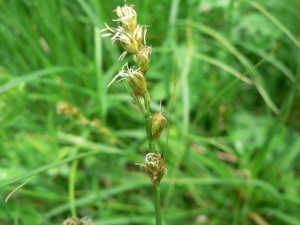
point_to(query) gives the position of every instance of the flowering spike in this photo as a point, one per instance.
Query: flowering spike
(132, 37)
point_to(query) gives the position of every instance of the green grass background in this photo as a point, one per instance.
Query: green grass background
(233, 155)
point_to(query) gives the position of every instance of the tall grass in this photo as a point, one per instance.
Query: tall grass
(233, 147)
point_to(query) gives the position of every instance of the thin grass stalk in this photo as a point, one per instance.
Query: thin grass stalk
(72, 187)
(98, 70)
(157, 204)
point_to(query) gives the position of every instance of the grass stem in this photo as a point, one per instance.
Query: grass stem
(157, 203)
(72, 188)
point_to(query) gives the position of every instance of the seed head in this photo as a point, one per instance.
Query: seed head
(135, 79)
(131, 36)
(72, 221)
(78, 221)
(128, 43)
(137, 82)
(158, 124)
(143, 58)
(128, 17)
(155, 167)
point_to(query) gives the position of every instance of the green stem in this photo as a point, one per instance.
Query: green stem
(148, 119)
(72, 188)
(101, 92)
(157, 203)
(151, 143)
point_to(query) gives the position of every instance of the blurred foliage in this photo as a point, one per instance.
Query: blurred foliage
(234, 136)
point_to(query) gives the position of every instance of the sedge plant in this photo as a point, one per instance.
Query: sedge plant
(132, 37)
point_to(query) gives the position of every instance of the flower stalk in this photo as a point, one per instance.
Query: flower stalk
(132, 37)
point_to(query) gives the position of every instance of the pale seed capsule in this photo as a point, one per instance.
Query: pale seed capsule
(138, 34)
(143, 58)
(158, 124)
(137, 82)
(128, 17)
(128, 43)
